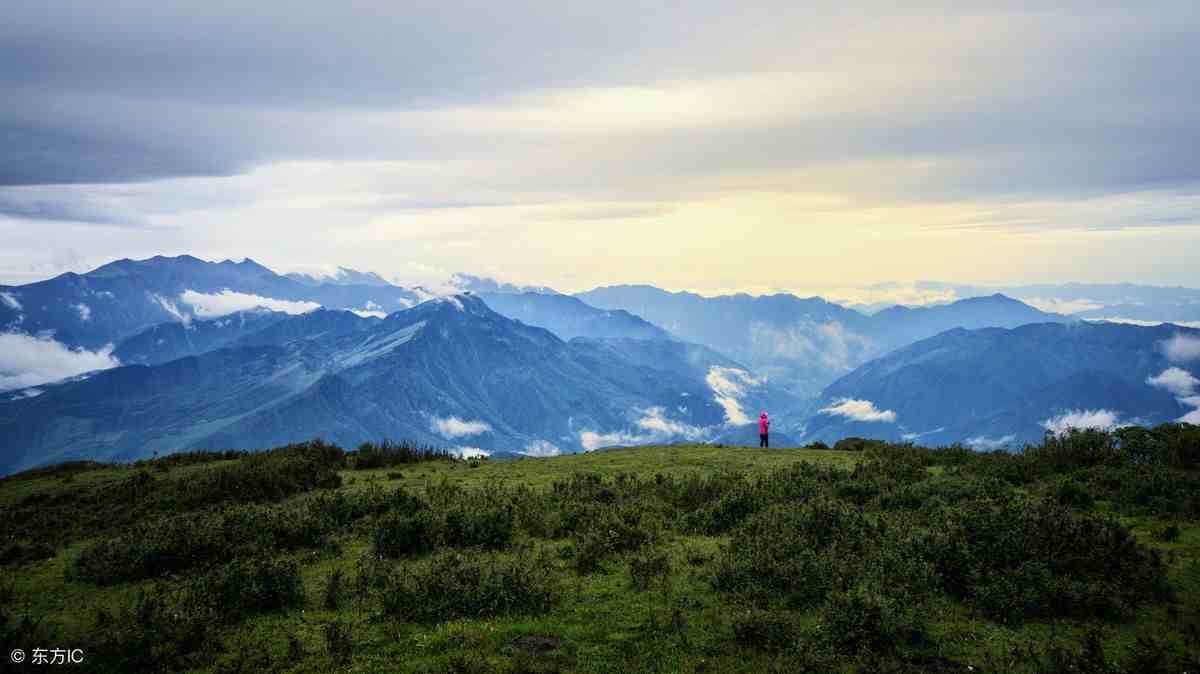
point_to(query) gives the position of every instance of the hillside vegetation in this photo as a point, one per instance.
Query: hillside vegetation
(1081, 554)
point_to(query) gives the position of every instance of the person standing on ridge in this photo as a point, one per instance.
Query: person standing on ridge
(764, 428)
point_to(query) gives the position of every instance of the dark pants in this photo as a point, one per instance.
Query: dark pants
(762, 440)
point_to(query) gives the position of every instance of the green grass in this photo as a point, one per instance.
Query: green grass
(598, 621)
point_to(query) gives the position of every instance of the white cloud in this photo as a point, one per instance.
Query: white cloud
(1082, 419)
(1192, 417)
(173, 309)
(1182, 348)
(656, 423)
(470, 452)
(28, 361)
(10, 300)
(85, 312)
(831, 343)
(1177, 381)
(859, 410)
(591, 440)
(541, 448)
(453, 427)
(654, 427)
(985, 443)
(366, 313)
(729, 385)
(1055, 305)
(886, 294)
(227, 302)
(1143, 323)
(913, 436)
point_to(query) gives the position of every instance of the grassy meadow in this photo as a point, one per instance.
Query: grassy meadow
(1081, 554)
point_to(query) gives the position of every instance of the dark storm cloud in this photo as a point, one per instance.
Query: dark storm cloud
(1011, 97)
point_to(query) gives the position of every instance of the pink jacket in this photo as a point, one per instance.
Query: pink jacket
(763, 423)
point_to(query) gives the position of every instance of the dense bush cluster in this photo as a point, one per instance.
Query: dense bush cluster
(810, 563)
(175, 543)
(451, 585)
(386, 454)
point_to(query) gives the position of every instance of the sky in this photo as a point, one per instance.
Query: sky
(710, 146)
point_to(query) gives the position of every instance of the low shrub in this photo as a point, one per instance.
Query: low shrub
(168, 626)
(865, 619)
(452, 585)
(771, 631)
(386, 454)
(400, 534)
(1075, 494)
(1027, 558)
(648, 567)
(613, 530)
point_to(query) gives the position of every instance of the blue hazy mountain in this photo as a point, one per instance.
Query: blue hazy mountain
(1127, 301)
(991, 384)
(341, 276)
(804, 343)
(123, 298)
(171, 341)
(450, 372)
(483, 285)
(570, 317)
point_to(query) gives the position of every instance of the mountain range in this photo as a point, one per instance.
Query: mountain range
(120, 299)
(994, 387)
(805, 342)
(179, 353)
(450, 372)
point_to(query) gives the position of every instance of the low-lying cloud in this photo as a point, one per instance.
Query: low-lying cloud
(172, 309)
(1192, 417)
(1183, 385)
(1056, 305)
(453, 427)
(1101, 420)
(1177, 381)
(541, 448)
(371, 310)
(227, 302)
(656, 422)
(834, 346)
(729, 386)
(984, 443)
(1182, 348)
(654, 426)
(10, 301)
(26, 361)
(859, 410)
(470, 452)
(592, 440)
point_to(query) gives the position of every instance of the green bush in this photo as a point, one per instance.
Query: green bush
(1075, 494)
(864, 619)
(166, 545)
(400, 534)
(771, 631)
(611, 531)
(648, 567)
(386, 454)
(1032, 558)
(168, 626)
(452, 585)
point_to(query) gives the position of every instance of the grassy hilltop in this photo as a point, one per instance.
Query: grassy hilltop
(1082, 554)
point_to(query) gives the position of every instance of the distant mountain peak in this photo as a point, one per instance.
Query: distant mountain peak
(482, 284)
(339, 276)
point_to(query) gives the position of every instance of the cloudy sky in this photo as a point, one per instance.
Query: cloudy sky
(704, 145)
